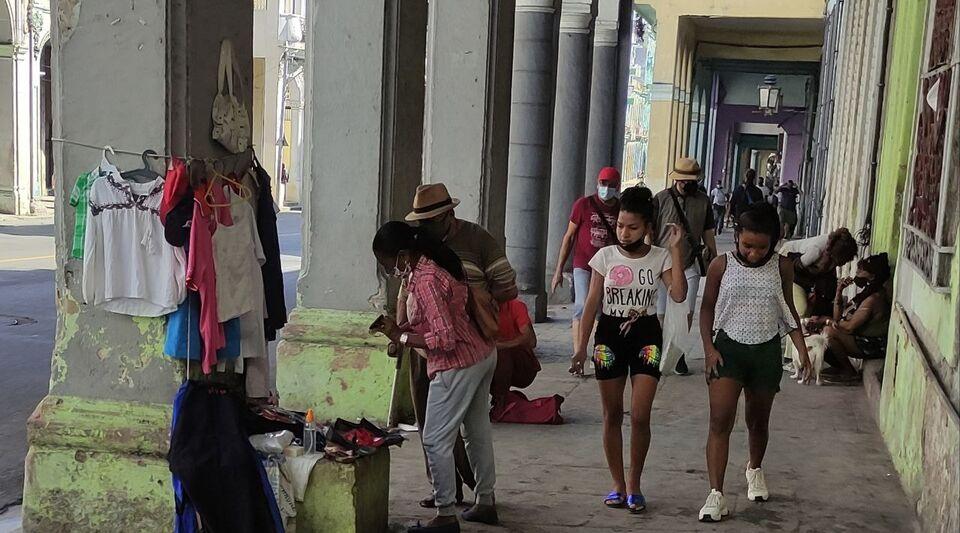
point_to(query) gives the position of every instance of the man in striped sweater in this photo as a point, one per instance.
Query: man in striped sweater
(485, 265)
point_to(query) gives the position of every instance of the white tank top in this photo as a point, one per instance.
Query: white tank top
(751, 308)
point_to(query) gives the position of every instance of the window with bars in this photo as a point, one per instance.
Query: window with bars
(930, 228)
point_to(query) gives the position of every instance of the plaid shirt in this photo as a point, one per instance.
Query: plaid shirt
(78, 199)
(437, 309)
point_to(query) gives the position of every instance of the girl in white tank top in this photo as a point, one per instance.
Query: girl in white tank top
(747, 305)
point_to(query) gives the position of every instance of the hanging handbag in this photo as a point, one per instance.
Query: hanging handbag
(231, 123)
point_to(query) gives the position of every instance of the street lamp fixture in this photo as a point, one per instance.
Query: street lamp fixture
(770, 95)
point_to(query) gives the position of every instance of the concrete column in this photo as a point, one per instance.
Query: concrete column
(626, 33)
(364, 108)
(107, 415)
(570, 117)
(528, 183)
(467, 111)
(603, 95)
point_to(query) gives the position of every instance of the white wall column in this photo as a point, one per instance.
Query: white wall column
(467, 110)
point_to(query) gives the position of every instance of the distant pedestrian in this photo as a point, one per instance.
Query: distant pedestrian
(684, 205)
(719, 198)
(789, 193)
(591, 228)
(626, 278)
(745, 195)
(747, 306)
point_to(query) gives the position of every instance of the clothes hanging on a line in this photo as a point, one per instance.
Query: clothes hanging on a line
(128, 267)
(276, 307)
(78, 199)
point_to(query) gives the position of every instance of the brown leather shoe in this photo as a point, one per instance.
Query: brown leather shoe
(484, 514)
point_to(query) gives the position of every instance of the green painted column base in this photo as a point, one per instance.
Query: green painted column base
(347, 498)
(328, 361)
(97, 465)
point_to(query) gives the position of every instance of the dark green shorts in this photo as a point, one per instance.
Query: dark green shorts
(755, 366)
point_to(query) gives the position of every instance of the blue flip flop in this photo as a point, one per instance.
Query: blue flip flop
(614, 500)
(636, 503)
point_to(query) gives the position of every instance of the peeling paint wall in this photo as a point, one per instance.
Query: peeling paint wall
(110, 88)
(906, 50)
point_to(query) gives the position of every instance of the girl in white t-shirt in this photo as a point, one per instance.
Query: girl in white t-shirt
(629, 339)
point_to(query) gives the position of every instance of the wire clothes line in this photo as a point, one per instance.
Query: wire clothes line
(140, 153)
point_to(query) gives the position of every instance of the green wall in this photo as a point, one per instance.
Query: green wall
(898, 122)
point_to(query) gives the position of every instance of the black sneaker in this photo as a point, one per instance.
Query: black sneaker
(682, 369)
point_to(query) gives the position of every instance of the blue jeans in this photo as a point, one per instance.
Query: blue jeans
(581, 287)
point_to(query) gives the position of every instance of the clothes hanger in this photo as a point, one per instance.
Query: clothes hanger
(241, 196)
(142, 175)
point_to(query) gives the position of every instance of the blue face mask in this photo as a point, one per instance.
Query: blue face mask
(607, 193)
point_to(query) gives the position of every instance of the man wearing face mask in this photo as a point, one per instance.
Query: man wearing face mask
(686, 206)
(485, 265)
(591, 227)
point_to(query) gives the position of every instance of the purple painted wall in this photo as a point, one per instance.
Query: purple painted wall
(792, 121)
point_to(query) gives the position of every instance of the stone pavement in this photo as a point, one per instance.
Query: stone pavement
(826, 465)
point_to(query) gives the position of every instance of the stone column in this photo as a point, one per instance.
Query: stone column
(603, 95)
(467, 110)
(626, 33)
(100, 436)
(570, 122)
(363, 108)
(528, 183)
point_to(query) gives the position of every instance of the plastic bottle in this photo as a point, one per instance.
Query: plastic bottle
(309, 434)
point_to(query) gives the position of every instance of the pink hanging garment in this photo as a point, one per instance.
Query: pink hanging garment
(201, 277)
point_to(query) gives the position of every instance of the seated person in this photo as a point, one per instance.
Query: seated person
(816, 261)
(858, 328)
(517, 365)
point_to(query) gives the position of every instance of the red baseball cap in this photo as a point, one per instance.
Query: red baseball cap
(609, 175)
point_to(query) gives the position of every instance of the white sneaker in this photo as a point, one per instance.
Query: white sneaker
(756, 485)
(715, 508)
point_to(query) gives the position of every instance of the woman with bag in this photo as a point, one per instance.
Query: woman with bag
(624, 287)
(460, 365)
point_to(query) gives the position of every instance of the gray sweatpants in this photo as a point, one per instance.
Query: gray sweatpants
(460, 397)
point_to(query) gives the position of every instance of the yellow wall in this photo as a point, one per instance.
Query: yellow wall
(676, 57)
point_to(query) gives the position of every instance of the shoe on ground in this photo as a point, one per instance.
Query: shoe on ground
(715, 508)
(756, 485)
(682, 369)
(484, 514)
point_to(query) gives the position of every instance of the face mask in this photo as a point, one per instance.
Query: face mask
(607, 193)
(436, 228)
(397, 273)
(861, 282)
(689, 187)
(633, 246)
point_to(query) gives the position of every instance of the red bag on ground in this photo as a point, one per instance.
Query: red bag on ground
(518, 409)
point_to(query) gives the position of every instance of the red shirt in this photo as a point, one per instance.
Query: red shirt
(592, 234)
(437, 309)
(513, 317)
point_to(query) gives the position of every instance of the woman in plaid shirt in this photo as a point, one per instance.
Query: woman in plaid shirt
(460, 365)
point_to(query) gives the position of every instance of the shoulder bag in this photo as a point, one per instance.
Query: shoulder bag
(611, 233)
(698, 249)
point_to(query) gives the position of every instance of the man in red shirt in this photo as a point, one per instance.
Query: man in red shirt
(517, 365)
(592, 224)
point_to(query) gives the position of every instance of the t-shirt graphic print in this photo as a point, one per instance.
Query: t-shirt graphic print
(630, 285)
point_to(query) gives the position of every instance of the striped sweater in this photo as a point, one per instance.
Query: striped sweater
(484, 262)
